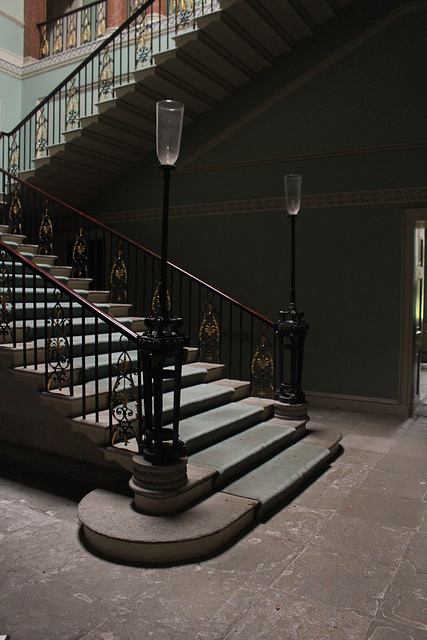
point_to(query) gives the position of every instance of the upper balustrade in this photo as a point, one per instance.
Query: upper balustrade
(148, 31)
(73, 29)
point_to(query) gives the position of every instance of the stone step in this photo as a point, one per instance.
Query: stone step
(233, 456)
(272, 481)
(95, 394)
(113, 526)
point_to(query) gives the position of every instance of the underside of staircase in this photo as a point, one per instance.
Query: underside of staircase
(244, 457)
(226, 49)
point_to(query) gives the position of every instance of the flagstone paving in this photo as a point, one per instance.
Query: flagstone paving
(345, 559)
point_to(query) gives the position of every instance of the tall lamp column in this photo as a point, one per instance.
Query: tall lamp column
(291, 329)
(161, 464)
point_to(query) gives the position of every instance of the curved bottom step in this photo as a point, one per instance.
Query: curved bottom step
(113, 527)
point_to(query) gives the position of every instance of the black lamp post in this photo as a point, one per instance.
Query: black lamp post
(162, 346)
(291, 328)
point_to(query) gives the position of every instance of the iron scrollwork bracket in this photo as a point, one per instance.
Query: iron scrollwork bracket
(6, 302)
(209, 333)
(124, 400)
(262, 368)
(58, 355)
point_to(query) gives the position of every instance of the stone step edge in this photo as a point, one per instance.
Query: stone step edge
(112, 527)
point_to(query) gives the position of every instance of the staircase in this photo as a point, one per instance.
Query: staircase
(100, 120)
(243, 458)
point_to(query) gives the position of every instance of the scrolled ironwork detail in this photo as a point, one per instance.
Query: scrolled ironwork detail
(262, 368)
(58, 346)
(41, 133)
(6, 301)
(57, 37)
(71, 32)
(209, 333)
(44, 43)
(13, 160)
(118, 279)
(15, 218)
(106, 77)
(100, 23)
(124, 411)
(85, 27)
(182, 11)
(80, 256)
(156, 300)
(142, 40)
(46, 233)
(72, 107)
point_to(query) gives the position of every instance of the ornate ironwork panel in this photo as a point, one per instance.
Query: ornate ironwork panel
(133, 6)
(44, 43)
(41, 133)
(182, 12)
(80, 256)
(124, 409)
(85, 34)
(262, 368)
(118, 279)
(58, 346)
(46, 233)
(13, 163)
(142, 40)
(209, 333)
(72, 31)
(15, 209)
(106, 77)
(57, 37)
(100, 23)
(156, 300)
(6, 301)
(72, 107)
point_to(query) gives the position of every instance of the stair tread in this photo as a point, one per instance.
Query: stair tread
(197, 430)
(233, 455)
(271, 481)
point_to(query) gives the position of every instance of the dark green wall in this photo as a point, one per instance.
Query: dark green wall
(352, 124)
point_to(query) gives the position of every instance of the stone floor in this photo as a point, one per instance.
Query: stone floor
(346, 559)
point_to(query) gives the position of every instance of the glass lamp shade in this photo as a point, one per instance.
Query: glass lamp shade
(169, 118)
(293, 193)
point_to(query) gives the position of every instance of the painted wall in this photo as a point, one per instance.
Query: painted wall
(13, 8)
(349, 120)
(11, 52)
(347, 111)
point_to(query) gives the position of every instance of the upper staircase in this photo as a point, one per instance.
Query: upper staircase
(71, 373)
(100, 119)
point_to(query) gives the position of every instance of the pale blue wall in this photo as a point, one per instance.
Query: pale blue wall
(12, 41)
(11, 36)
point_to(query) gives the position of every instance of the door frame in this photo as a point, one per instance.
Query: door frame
(411, 219)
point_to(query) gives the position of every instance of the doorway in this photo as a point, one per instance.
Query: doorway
(412, 373)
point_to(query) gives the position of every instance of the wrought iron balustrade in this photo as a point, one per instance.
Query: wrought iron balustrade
(148, 31)
(73, 29)
(62, 334)
(224, 330)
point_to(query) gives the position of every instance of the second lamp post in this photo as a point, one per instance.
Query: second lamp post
(291, 328)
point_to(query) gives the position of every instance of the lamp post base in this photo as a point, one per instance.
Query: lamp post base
(287, 411)
(165, 477)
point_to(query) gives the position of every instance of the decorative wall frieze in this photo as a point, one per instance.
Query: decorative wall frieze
(401, 196)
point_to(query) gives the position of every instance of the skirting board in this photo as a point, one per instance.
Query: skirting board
(357, 403)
